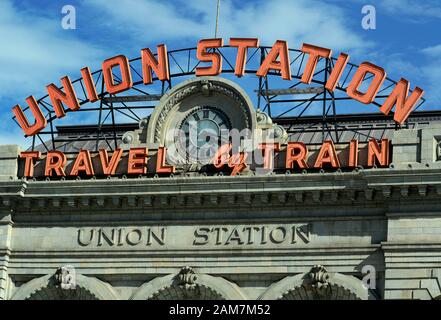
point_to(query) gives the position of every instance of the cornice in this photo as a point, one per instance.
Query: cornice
(183, 191)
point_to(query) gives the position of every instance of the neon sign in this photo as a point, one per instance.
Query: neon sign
(277, 59)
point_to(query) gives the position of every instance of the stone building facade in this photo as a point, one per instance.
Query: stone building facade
(330, 234)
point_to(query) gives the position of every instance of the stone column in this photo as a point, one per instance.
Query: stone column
(417, 148)
(8, 171)
(5, 250)
(412, 251)
(8, 161)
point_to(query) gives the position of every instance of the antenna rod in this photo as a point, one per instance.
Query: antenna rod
(217, 18)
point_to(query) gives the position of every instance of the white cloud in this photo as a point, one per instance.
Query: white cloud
(434, 51)
(151, 21)
(298, 21)
(400, 65)
(415, 10)
(431, 72)
(425, 74)
(37, 51)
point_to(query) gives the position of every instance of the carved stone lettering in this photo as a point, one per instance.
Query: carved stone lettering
(177, 237)
(111, 237)
(249, 235)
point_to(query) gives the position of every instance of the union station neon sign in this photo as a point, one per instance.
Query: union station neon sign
(276, 60)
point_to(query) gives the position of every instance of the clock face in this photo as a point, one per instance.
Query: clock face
(201, 133)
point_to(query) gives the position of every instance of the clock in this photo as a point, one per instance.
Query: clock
(201, 133)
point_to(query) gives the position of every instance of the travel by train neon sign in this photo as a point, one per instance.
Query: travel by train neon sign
(139, 161)
(277, 60)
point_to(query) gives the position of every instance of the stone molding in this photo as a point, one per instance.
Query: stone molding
(352, 286)
(223, 288)
(376, 184)
(431, 286)
(97, 288)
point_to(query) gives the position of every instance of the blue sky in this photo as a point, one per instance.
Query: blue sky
(36, 51)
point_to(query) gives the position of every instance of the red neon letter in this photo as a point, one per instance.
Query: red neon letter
(242, 45)
(398, 97)
(337, 71)
(375, 154)
(327, 154)
(90, 85)
(40, 121)
(279, 49)
(126, 81)
(137, 161)
(160, 162)
(314, 54)
(29, 157)
(109, 167)
(159, 66)
(55, 161)
(377, 81)
(58, 97)
(83, 162)
(222, 155)
(268, 154)
(214, 57)
(296, 152)
(236, 161)
(353, 154)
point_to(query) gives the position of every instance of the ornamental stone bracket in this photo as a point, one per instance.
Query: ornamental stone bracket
(316, 281)
(186, 278)
(317, 278)
(137, 137)
(65, 278)
(269, 130)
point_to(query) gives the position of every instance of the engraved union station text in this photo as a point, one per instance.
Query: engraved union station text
(198, 236)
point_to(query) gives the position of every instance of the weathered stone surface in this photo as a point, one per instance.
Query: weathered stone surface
(8, 161)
